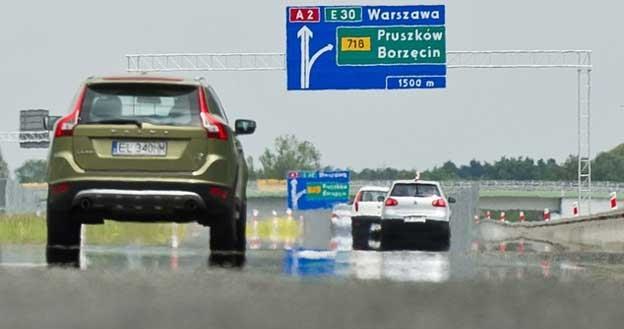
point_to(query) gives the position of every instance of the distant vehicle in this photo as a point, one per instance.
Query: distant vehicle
(416, 210)
(341, 215)
(369, 201)
(148, 149)
(366, 211)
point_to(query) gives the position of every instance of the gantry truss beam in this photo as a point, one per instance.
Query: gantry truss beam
(488, 59)
(206, 62)
(31, 136)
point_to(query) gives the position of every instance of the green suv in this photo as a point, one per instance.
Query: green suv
(147, 149)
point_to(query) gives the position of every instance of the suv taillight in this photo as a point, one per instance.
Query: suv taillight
(214, 128)
(65, 126)
(390, 202)
(440, 203)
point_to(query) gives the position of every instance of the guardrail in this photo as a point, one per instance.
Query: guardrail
(567, 187)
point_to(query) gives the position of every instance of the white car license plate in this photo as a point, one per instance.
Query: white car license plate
(415, 219)
(137, 148)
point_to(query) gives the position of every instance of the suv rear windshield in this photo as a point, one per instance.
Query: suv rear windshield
(372, 196)
(415, 190)
(157, 104)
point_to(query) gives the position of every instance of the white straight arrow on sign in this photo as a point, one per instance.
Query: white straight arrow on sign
(305, 34)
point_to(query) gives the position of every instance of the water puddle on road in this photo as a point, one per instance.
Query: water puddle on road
(289, 256)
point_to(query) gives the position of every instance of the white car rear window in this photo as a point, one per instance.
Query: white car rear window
(372, 196)
(415, 190)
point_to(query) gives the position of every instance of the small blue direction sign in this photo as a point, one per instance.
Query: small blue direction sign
(309, 190)
(366, 47)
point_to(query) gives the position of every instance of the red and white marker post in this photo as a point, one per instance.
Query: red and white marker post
(255, 213)
(546, 215)
(503, 216)
(613, 201)
(575, 209)
(488, 215)
(522, 217)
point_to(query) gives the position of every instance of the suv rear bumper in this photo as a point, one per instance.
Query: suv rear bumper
(143, 202)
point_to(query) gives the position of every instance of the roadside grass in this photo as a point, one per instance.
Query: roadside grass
(277, 229)
(22, 229)
(115, 233)
(30, 229)
(537, 194)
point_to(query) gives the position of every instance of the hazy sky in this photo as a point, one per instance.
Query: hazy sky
(49, 47)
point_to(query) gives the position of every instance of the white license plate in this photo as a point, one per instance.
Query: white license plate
(137, 148)
(415, 219)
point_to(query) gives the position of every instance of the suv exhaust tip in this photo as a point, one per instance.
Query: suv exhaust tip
(85, 204)
(191, 205)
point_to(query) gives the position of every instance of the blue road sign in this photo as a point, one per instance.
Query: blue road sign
(309, 190)
(366, 47)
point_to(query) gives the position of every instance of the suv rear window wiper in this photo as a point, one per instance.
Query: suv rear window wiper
(117, 122)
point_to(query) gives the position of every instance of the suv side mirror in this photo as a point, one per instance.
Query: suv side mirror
(451, 200)
(245, 127)
(50, 121)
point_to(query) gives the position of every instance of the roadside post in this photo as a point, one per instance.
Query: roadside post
(613, 201)
(174, 236)
(546, 215)
(255, 213)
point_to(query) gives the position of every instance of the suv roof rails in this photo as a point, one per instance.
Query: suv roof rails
(201, 80)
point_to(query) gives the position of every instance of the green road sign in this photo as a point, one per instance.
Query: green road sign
(391, 45)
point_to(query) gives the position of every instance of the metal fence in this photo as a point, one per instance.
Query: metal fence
(18, 198)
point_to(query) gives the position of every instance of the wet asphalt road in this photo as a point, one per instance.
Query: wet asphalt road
(324, 251)
(317, 282)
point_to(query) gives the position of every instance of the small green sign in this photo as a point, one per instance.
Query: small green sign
(343, 14)
(327, 190)
(391, 45)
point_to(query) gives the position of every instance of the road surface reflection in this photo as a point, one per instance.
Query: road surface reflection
(509, 260)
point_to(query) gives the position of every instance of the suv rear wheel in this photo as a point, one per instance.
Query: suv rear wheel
(227, 239)
(63, 247)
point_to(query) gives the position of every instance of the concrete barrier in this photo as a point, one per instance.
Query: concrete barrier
(603, 230)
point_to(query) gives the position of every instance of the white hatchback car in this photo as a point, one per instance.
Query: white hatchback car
(369, 201)
(416, 208)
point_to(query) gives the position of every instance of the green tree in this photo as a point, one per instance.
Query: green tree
(253, 174)
(289, 154)
(448, 171)
(609, 166)
(32, 171)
